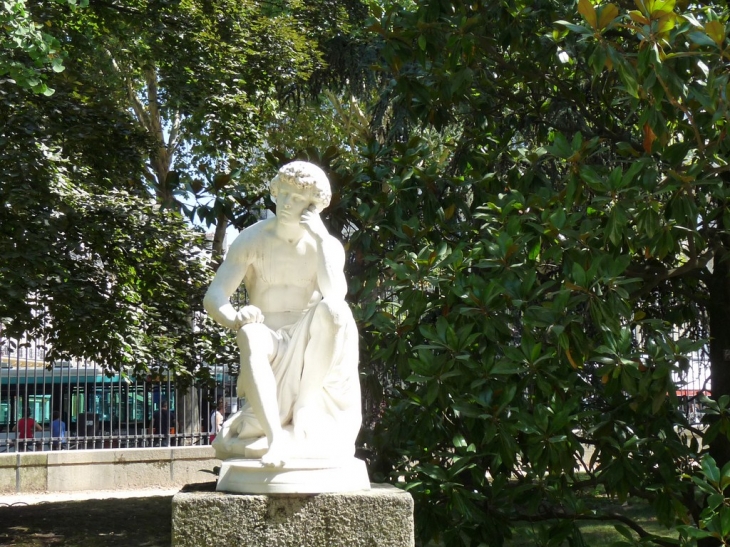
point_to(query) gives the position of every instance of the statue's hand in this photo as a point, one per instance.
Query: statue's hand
(246, 315)
(313, 222)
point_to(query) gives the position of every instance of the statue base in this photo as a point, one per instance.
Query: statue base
(382, 516)
(301, 476)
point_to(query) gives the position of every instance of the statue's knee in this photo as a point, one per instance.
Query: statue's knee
(251, 335)
(333, 313)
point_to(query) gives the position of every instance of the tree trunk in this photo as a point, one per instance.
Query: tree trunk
(188, 415)
(221, 226)
(719, 315)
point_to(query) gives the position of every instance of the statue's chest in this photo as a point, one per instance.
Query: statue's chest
(287, 264)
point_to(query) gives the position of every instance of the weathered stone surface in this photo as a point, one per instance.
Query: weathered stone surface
(380, 517)
(115, 469)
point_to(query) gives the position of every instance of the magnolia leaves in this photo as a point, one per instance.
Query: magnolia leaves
(657, 15)
(597, 19)
(652, 21)
(664, 41)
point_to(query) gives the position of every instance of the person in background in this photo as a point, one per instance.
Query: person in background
(25, 428)
(216, 418)
(58, 430)
(164, 423)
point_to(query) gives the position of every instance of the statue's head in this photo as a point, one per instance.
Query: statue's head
(306, 176)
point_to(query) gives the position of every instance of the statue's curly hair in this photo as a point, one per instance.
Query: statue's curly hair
(307, 176)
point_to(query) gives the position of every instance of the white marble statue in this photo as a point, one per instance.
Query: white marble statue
(298, 340)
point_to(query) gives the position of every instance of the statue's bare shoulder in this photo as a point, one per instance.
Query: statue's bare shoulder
(243, 248)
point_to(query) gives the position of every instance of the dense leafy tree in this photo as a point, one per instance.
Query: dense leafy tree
(93, 270)
(672, 67)
(535, 203)
(157, 98)
(533, 242)
(205, 80)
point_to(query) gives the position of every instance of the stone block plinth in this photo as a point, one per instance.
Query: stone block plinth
(379, 517)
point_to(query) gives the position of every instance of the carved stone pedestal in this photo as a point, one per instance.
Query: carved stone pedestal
(381, 516)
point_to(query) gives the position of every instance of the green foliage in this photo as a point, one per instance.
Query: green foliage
(27, 51)
(714, 522)
(152, 97)
(522, 258)
(531, 206)
(512, 342)
(94, 270)
(213, 84)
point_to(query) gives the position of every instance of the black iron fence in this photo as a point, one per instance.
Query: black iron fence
(77, 405)
(693, 384)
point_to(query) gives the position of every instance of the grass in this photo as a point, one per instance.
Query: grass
(601, 533)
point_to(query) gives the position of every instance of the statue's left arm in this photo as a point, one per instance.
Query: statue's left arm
(330, 257)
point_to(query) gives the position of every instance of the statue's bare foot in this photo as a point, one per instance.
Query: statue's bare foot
(276, 454)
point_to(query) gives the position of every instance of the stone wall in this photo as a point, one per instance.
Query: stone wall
(117, 469)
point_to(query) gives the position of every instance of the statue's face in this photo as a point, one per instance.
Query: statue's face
(291, 202)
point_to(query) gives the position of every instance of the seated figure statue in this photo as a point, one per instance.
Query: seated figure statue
(297, 338)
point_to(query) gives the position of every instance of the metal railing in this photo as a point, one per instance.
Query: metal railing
(694, 383)
(78, 405)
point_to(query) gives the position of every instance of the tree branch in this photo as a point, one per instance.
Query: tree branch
(150, 76)
(163, 156)
(717, 170)
(148, 174)
(675, 102)
(174, 133)
(136, 104)
(656, 275)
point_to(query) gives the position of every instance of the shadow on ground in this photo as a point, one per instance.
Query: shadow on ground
(129, 522)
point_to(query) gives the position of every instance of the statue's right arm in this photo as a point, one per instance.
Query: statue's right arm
(227, 279)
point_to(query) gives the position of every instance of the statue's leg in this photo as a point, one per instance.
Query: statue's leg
(227, 435)
(230, 427)
(325, 345)
(256, 380)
